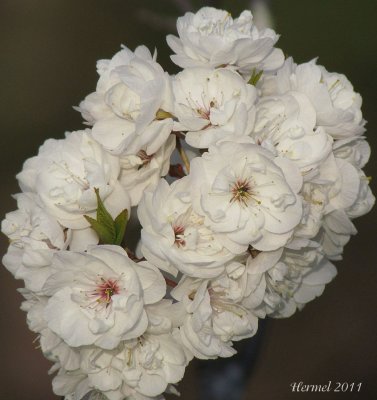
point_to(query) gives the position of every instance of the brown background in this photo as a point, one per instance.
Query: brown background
(48, 50)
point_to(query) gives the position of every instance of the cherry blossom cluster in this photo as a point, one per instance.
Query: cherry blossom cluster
(245, 170)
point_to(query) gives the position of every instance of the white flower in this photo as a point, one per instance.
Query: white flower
(53, 347)
(315, 200)
(213, 38)
(345, 189)
(64, 175)
(162, 316)
(130, 109)
(356, 151)
(339, 189)
(365, 199)
(75, 385)
(265, 192)
(257, 264)
(338, 107)
(98, 297)
(81, 239)
(138, 369)
(336, 232)
(174, 237)
(349, 196)
(285, 125)
(31, 224)
(56, 350)
(354, 199)
(211, 104)
(347, 103)
(247, 196)
(214, 317)
(71, 384)
(280, 285)
(147, 364)
(308, 286)
(34, 236)
(142, 171)
(335, 186)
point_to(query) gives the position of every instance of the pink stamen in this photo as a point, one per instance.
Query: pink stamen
(105, 290)
(241, 191)
(144, 157)
(178, 232)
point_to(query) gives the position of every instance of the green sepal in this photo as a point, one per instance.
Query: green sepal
(120, 224)
(255, 76)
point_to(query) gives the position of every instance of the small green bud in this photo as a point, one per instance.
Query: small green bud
(255, 76)
(161, 114)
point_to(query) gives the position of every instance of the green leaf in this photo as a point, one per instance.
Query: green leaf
(103, 216)
(108, 230)
(255, 76)
(103, 233)
(120, 226)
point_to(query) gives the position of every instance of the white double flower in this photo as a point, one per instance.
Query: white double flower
(175, 238)
(130, 108)
(213, 104)
(337, 105)
(213, 38)
(247, 196)
(98, 297)
(64, 175)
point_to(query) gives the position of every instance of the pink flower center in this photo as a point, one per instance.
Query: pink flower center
(204, 112)
(241, 191)
(105, 290)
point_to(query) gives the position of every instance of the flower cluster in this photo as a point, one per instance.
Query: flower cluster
(242, 228)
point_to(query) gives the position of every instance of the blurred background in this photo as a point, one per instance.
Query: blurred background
(48, 53)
